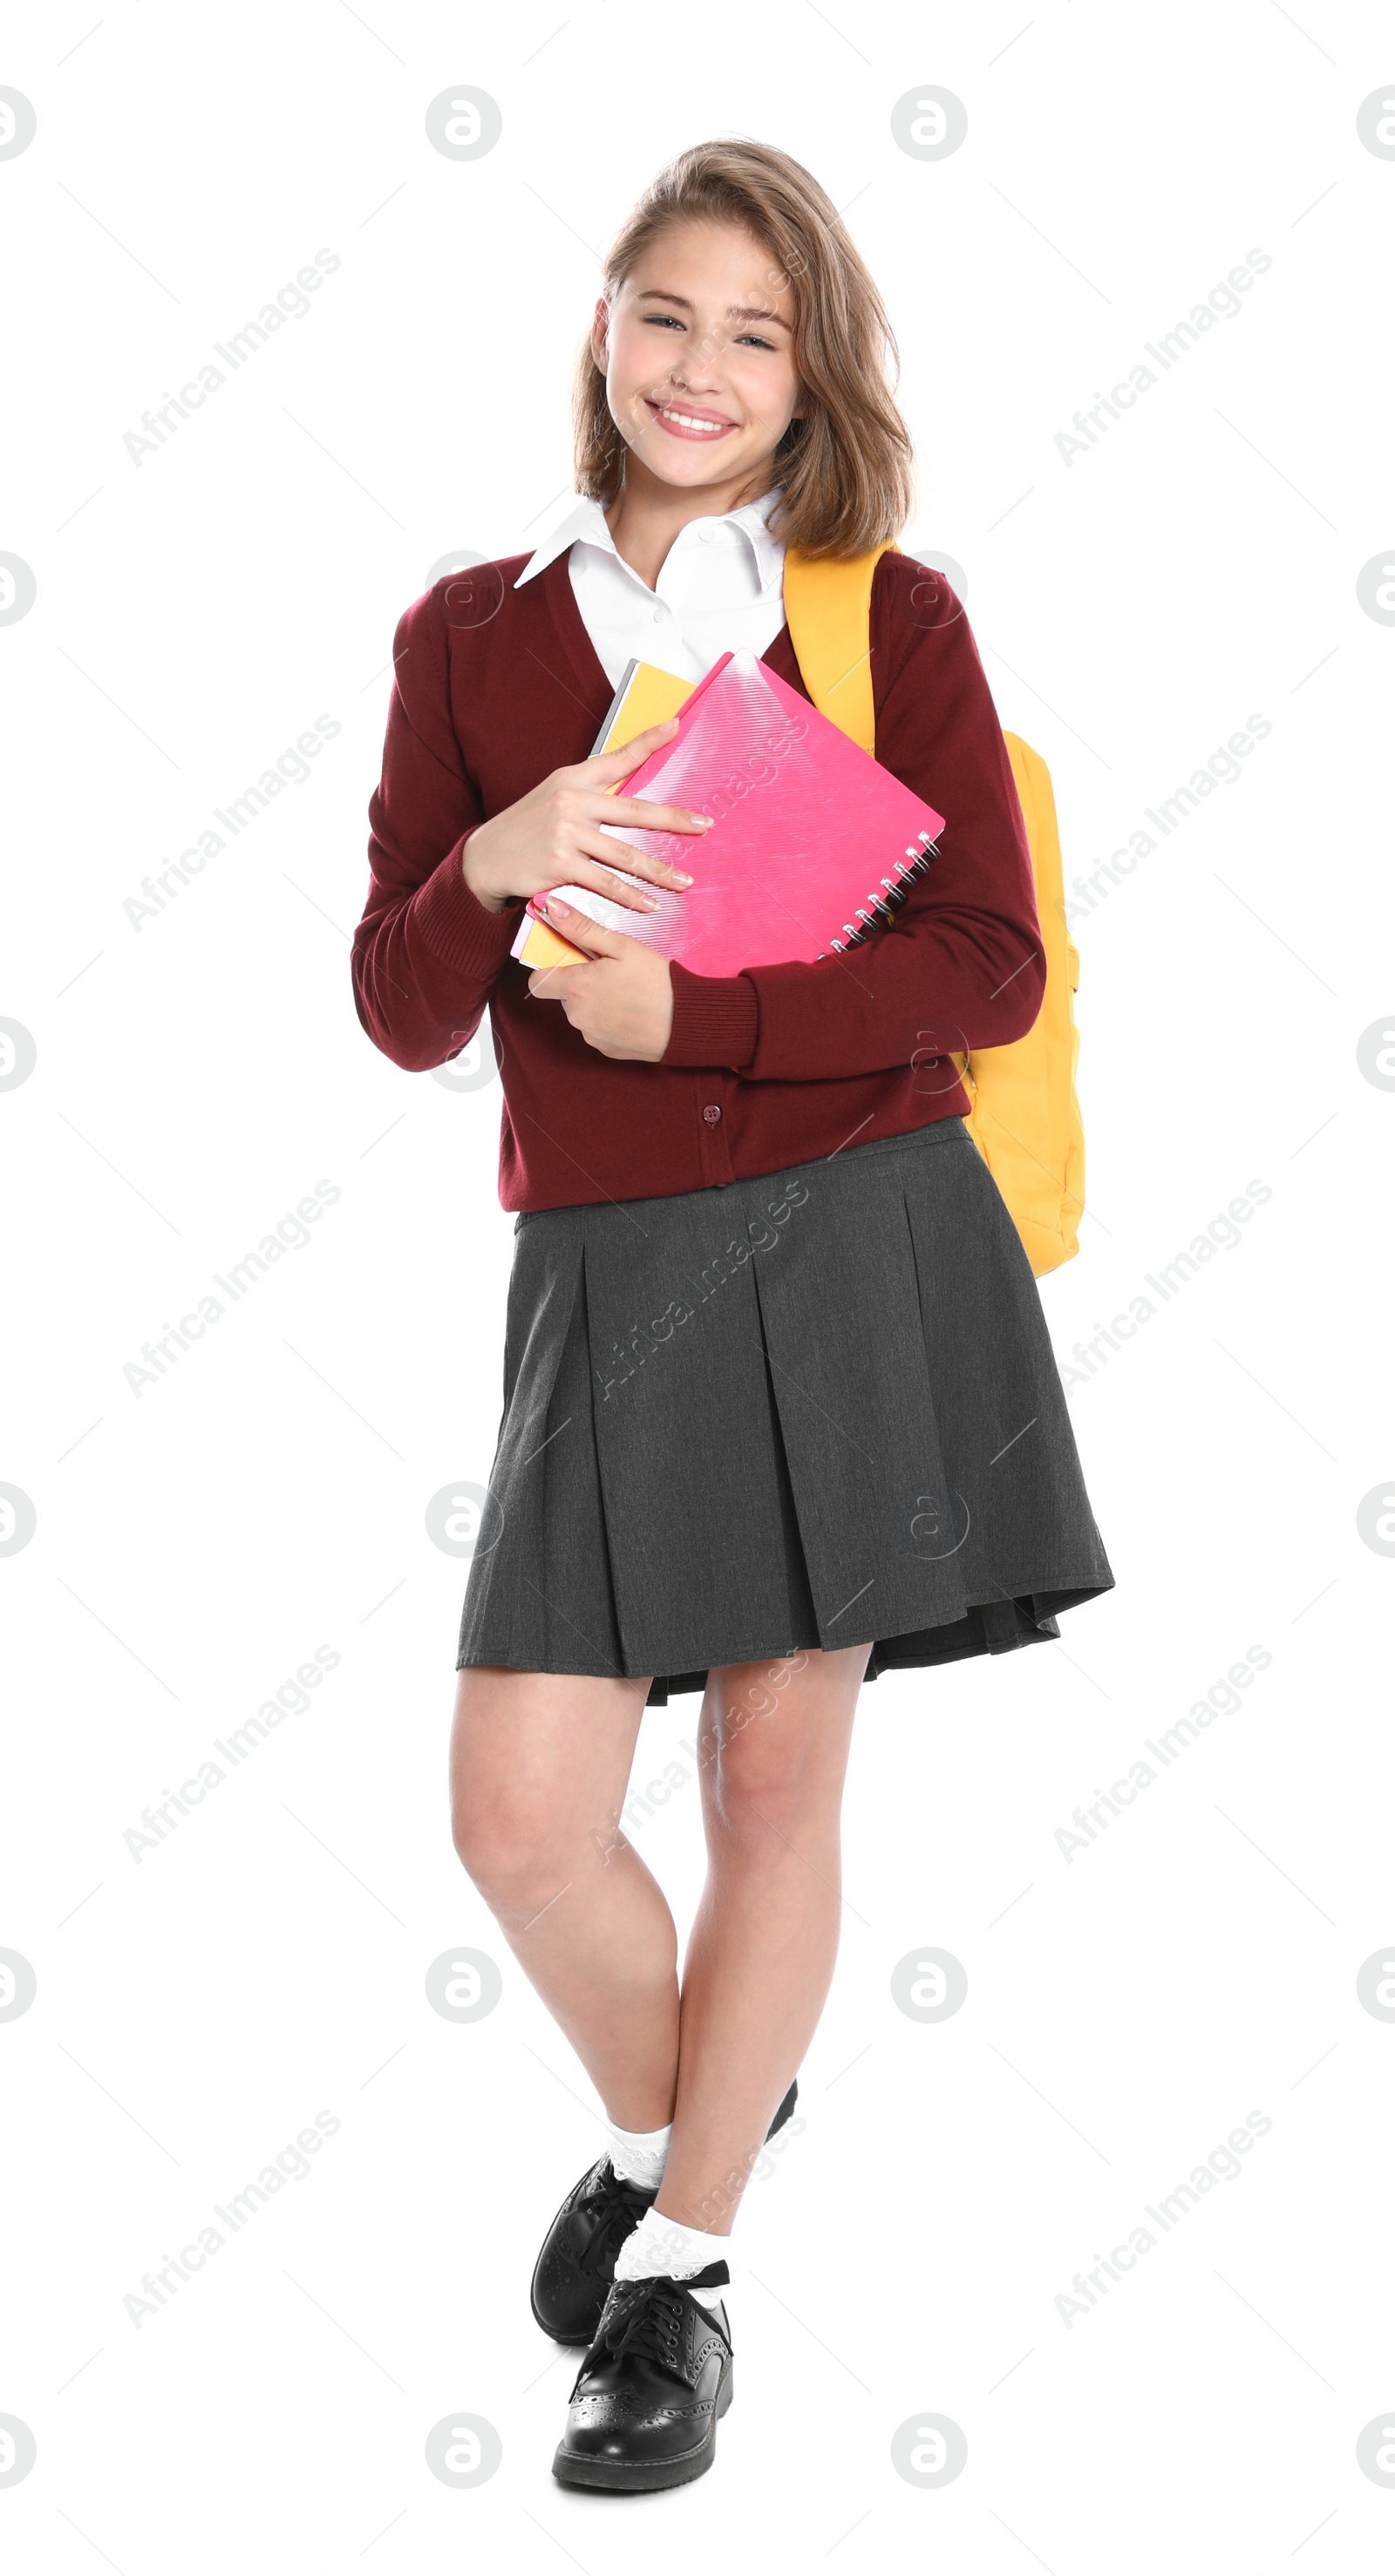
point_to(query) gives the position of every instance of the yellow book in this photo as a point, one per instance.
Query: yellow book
(646, 696)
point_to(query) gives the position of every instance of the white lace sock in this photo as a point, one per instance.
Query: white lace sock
(666, 2245)
(638, 2154)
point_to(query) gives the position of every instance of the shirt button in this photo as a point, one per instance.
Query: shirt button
(704, 536)
(659, 615)
(712, 1113)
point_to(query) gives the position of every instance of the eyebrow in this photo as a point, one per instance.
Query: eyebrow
(735, 312)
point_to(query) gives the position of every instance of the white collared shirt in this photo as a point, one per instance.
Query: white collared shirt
(721, 586)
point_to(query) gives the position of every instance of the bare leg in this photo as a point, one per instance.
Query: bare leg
(773, 1744)
(540, 1769)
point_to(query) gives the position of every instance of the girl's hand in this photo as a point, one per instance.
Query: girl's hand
(552, 836)
(622, 1001)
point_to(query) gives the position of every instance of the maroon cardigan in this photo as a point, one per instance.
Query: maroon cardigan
(493, 689)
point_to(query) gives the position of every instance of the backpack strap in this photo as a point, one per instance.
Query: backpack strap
(828, 601)
(1025, 1118)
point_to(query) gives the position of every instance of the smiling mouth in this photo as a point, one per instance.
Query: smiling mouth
(681, 423)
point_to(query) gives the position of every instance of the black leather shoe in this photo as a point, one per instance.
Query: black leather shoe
(643, 2412)
(577, 2263)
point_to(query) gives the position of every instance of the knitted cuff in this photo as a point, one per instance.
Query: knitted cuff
(716, 1020)
(456, 926)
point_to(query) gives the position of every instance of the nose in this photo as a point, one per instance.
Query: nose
(703, 349)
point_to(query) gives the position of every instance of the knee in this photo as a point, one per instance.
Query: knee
(507, 1845)
(764, 1798)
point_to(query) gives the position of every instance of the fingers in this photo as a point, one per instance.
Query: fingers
(656, 818)
(583, 933)
(604, 856)
(634, 809)
(618, 764)
(602, 880)
(640, 863)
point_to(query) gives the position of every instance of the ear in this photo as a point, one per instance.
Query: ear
(600, 332)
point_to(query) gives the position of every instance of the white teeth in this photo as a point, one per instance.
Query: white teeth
(686, 421)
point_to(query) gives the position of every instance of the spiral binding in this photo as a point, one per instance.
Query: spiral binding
(884, 906)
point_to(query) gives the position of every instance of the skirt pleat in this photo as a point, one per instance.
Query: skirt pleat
(815, 1409)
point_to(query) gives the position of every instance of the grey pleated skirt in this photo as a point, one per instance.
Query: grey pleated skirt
(802, 1411)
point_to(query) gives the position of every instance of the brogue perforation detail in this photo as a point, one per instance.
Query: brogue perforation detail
(628, 2429)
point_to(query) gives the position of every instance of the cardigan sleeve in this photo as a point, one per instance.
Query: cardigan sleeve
(426, 954)
(963, 964)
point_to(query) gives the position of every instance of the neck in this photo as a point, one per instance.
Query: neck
(647, 515)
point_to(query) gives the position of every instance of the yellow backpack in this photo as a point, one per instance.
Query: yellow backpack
(1025, 1118)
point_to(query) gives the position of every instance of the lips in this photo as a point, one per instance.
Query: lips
(689, 420)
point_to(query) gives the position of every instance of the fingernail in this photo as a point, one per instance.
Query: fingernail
(704, 822)
(555, 908)
(649, 903)
(681, 877)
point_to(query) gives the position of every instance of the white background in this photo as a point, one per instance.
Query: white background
(195, 1543)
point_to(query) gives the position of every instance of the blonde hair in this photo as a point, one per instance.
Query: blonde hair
(845, 467)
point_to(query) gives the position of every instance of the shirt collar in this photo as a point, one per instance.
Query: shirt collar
(586, 525)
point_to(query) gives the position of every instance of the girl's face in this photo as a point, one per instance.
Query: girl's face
(698, 350)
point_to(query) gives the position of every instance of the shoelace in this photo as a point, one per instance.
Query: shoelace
(646, 2319)
(623, 2205)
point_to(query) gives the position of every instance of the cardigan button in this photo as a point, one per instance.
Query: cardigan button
(712, 1113)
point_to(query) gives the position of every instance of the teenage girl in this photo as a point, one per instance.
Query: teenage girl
(780, 1410)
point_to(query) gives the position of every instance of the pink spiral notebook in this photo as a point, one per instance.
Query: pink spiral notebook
(813, 842)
